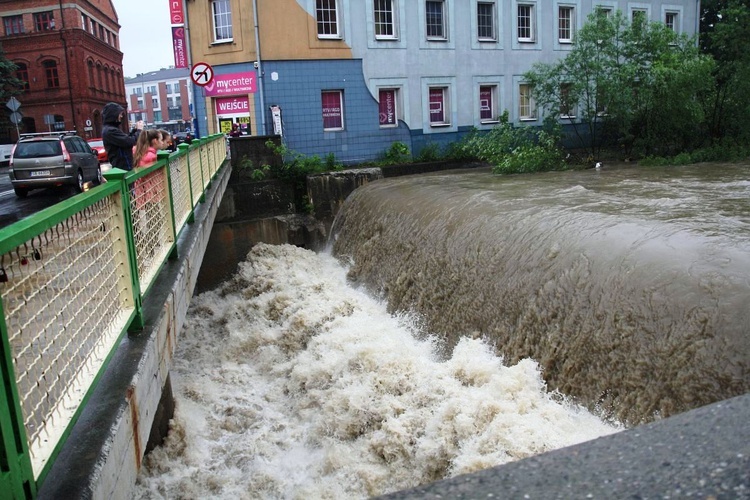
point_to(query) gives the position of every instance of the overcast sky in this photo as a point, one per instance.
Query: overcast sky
(145, 35)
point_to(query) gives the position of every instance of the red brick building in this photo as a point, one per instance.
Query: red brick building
(68, 53)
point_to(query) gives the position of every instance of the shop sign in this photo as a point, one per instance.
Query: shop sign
(233, 83)
(232, 105)
(178, 43)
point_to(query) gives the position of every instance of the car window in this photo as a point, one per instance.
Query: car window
(38, 149)
(83, 145)
(72, 145)
(96, 144)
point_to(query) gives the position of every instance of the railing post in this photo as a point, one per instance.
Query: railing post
(186, 149)
(164, 155)
(16, 472)
(119, 175)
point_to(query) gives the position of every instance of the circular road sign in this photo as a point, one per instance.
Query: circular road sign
(201, 74)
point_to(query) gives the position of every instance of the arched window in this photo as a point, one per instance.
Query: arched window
(92, 82)
(50, 71)
(99, 77)
(22, 73)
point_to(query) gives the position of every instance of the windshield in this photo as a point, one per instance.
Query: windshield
(39, 149)
(96, 144)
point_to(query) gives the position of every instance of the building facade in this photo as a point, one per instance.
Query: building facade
(351, 77)
(68, 54)
(162, 99)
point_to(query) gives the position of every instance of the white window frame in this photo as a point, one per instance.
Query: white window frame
(443, 21)
(326, 6)
(568, 30)
(572, 107)
(526, 106)
(674, 25)
(494, 94)
(219, 19)
(492, 18)
(531, 26)
(341, 105)
(445, 106)
(382, 6)
(396, 106)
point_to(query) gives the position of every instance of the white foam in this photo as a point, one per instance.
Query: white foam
(293, 384)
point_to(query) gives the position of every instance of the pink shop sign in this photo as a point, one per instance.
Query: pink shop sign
(232, 105)
(233, 83)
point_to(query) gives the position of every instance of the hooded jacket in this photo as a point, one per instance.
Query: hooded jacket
(118, 144)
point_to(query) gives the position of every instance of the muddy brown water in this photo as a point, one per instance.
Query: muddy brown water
(630, 286)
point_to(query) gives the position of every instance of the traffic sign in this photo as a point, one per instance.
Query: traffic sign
(13, 104)
(16, 117)
(201, 74)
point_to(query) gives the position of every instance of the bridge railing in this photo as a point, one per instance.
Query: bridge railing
(72, 281)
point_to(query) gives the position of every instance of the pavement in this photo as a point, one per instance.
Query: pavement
(703, 453)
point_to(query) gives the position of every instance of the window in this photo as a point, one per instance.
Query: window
(154, 102)
(384, 14)
(638, 16)
(138, 91)
(85, 22)
(568, 108)
(44, 21)
(169, 88)
(387, 105)
(439, 107)
(13, 25)
(152, 89)
(435, 20)
(50, 71)
(486, 21)
(328, 19)
(526, 107)
(222, 17)
(670, 20)
(178, 102)
(526, 23)
(604, 11)
(488, 103)
(22, 73)
(565, 24)
(333, 115)
(101, 32)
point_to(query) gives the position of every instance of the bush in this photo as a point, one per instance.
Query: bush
(430, 152)
(397, 153)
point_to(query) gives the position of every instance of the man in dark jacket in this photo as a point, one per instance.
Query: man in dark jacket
(118, 144)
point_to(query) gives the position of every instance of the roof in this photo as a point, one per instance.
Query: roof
(158, 76)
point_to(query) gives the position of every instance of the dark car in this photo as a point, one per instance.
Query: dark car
(180, 137)
(98, 145)
(52, 159)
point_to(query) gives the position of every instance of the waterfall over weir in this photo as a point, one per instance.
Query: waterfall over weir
(630, 287)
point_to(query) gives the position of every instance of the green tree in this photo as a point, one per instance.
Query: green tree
(9, 85)
(637, 83)
(725, 35)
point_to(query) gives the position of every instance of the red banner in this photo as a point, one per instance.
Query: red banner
(176, 15)
(178, 43)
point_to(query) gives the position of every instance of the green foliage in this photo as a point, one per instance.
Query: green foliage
(297, 167)
(9, 85)
(718, 152)
(397, 153)
(429, 152)
(640, 83)
(512, 149)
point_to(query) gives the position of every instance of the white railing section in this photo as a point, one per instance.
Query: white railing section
(72, 281)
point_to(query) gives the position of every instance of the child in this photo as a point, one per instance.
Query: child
(144, 152)
(166, 140)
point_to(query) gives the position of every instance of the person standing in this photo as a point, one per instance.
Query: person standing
(118, 144)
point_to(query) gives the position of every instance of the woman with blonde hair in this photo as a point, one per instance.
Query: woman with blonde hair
(144, 152)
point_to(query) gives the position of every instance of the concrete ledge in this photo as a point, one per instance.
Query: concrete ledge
(103, 454)
(702, 453)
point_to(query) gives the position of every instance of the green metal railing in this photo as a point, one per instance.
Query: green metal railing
(72, 282)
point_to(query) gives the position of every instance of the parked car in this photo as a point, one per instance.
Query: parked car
(98, 145)
(5, 151)
(180, 137)
(52, 159)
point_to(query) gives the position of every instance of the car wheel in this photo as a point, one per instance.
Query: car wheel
(21, 192)
(99, 176)
(79, 182)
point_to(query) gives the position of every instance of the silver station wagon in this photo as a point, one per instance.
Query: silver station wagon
(52, 159)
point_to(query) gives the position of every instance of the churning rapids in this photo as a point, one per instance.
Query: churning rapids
(467, 320)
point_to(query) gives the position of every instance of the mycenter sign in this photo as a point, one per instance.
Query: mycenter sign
(232, 84)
